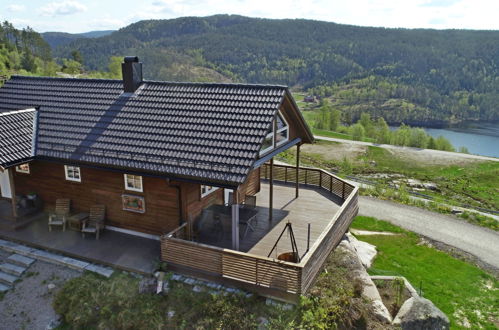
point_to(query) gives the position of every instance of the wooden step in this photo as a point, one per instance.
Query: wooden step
(17, 259)
(12, 269)
(7, 278)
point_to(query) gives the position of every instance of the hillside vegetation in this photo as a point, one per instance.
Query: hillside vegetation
(424, 77)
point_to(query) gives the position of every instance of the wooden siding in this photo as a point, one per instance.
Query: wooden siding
(104, 187)
(193, 203)
(251, 186)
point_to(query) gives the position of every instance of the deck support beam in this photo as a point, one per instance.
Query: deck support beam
(271, 190)
(235, 220)
(297, 169)
(13, 193)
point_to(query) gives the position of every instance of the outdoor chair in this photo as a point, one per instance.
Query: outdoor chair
(95, 221)
(60, 216)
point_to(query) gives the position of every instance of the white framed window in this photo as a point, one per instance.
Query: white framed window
(73, 173)
(23, 168)
(206, 190)
(275, 139)
(133, 182)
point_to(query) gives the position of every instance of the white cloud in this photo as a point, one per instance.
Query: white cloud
(67, 7)
(15, 8)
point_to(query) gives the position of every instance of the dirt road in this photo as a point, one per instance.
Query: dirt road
(481, 242)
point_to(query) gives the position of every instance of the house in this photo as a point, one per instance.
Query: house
(160, 155)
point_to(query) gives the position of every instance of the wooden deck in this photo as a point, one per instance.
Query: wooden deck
(310, 207)
(328, 203)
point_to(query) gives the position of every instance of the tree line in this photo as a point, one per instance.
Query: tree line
(378, 131)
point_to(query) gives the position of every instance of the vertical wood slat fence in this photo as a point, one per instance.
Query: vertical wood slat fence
(260, 272)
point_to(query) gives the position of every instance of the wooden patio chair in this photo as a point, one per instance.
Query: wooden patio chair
(95, 221)
(60, 216)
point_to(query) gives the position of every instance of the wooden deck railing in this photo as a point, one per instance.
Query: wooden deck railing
(262, 272)
(309, 176)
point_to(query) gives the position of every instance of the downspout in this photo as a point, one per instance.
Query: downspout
(179, 200)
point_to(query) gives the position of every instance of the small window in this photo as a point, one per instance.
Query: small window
(133, 182)
(73, 173)
(206, 190)
(23, 168)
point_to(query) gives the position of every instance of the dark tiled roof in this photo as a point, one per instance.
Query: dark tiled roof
(204, 131)
(16, 135)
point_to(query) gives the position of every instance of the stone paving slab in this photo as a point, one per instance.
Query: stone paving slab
(101, 270)
(20, 260)
(4, 287)
(12, 269)
(7, 278)
(26, 252)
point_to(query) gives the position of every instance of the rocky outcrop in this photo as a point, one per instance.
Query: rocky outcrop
(420, 313)
(365, 251)
(369, 290)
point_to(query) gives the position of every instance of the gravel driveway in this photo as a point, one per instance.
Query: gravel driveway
(481, 242)
(29, 304)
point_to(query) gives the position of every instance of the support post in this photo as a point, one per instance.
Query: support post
(235, 221)
(271, 190)
(297, 169)
(13, 193)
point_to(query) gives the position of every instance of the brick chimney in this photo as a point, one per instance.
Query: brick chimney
(132, 73)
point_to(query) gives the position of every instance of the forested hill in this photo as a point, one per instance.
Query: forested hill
(415, 76)
(55, 39)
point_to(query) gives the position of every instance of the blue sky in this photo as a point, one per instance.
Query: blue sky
(87, 15)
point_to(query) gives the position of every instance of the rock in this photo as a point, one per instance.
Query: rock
(170, 314)
(197, 288)
(53, 324)
(430, 186)
(147, 285)
(262, 322)
(420, 313)
(51, 286)
(365, 251)
(369, 290)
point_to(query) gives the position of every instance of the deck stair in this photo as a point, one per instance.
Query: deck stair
(11, 270)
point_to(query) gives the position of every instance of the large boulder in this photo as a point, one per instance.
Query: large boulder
(420, 313)
(369, 290)
(365, 251)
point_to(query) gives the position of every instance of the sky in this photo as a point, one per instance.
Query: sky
(76, 16)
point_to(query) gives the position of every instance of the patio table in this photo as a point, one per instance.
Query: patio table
(76, 220)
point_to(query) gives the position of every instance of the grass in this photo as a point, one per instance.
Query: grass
(92, 301)
(465, 293)
(331, 134)
(475, 183)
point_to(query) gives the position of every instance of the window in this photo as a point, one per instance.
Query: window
(72, 173)
(23, 168)
(133, 182)
(281, 134)
(206, 190)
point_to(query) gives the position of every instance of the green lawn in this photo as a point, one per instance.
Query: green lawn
(462, 291)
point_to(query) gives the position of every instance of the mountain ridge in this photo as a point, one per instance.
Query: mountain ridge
(429, 75)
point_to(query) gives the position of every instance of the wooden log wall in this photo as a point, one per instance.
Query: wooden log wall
(162, 213)
(251, 186)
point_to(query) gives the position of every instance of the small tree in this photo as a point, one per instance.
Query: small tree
(358, 132)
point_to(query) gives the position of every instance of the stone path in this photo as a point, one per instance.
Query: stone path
(11, 270)
(29, 252)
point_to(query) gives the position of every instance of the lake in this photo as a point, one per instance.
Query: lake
(481, 138)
